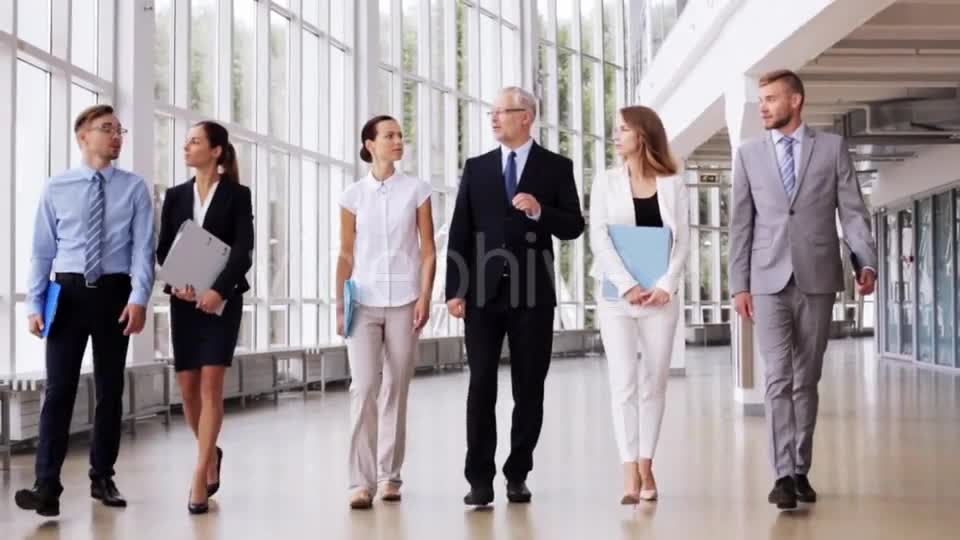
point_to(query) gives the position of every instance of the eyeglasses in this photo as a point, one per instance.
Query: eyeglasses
(111, 130)
(501, 112)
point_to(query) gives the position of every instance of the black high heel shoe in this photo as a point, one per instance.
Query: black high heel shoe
(213, 488)
(197, 508)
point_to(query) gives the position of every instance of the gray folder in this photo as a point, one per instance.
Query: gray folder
(196, 258)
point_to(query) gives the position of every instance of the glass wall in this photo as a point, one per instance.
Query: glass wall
(918, 280)
(581, 85)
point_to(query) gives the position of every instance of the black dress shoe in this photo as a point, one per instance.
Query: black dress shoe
(38, 499)
(479, 496)
(784, 494)
(213, 488)
(805, 492)
(517, 492)
(105, 491)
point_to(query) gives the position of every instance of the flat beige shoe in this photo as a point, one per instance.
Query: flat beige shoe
(361, 500)
(391, 493)
(648, 494)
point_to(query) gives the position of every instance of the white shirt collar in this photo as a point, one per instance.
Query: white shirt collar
(522, 152)
(797, 135)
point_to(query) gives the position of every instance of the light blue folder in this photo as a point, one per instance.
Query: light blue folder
(349, 293)
(50, 300)
(645, 252)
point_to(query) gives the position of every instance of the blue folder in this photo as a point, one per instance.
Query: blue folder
(50, 300)
(349, 293)
(645, 252)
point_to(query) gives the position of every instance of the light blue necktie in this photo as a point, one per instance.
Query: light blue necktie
(787, 170)
(93, 249)
(510, 176)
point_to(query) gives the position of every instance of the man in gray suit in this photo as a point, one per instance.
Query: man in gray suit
(785, 267)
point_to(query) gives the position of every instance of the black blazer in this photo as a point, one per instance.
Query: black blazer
(229, 218)
(488, 236)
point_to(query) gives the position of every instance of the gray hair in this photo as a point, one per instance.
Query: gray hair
(522, 98)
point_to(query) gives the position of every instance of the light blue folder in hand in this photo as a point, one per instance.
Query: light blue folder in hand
(645, 251)
(50, 301)
(349, 293)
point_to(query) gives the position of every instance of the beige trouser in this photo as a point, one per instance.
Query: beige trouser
(382, 347)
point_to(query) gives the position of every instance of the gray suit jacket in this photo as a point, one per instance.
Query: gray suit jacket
(773, 237)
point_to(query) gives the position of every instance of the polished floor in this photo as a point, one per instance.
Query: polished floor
(887, 465)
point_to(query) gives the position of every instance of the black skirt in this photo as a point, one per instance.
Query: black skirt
(201, 339)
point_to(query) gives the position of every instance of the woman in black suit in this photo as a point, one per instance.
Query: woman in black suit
(204, 342)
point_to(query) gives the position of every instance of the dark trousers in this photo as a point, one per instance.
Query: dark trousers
(84, 313)
(529, 333)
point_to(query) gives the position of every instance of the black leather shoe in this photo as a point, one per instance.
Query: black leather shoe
(784, 494)
(213, 488)
(479, 496)
(39, 500)
(805, 492)
(517, 492)
(105, 491)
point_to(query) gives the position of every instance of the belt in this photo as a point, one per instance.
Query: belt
(106, 280)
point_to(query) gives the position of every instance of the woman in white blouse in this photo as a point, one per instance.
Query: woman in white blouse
(387, 249)
(645, 191)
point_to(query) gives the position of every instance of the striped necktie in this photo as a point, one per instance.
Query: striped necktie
(93, 250)
(787, 170)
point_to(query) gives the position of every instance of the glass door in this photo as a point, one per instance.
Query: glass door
(891, 274)
(906, 281)
(924, 276)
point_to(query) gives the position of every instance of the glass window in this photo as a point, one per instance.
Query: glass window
(162, 163)
(511, 58)
(279, 212)
(386, 27)
(438, 40)
(309, 230)
(547, 25)
(463, 132)
(944, 276)
(279, 335)
(925, 300)
(32, 147)
(279, 75)
(706, 265)
(384, 92)
(565, 88)
(490, 59)
(411, 15)
(565, 15)
(410, 120)
(80, 99)
(340, 23)
(311, 91)
(463, 32)
(590, 79)
(308, 331)
(612, 28)
(437, 136)
(203, 55)
(338, 98)
(590, 26)
(244, 62)
(33, 22)
(162, 64)
(83, 47)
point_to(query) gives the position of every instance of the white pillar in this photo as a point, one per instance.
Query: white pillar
(742, 109)
(8, 190)
(134, 106)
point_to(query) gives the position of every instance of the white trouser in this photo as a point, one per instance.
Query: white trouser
(382, 347)
(638, 387)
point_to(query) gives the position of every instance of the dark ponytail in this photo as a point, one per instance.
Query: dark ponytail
(218, 135)
(369, 133)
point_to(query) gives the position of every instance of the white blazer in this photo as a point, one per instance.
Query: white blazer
(611, 203)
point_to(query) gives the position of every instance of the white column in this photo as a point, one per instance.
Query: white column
(8, 190)
(742, 109)
(134, 106)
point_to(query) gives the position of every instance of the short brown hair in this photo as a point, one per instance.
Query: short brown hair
(791, 79)
(89, 115)
(656, 156)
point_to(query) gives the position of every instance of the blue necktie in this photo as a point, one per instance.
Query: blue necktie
(787, 169)
(93, 249)
(510, 176)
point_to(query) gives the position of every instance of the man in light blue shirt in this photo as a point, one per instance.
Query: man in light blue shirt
(94, 233)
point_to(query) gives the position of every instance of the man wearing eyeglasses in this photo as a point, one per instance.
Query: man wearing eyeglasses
(94, 233)
(500, 280)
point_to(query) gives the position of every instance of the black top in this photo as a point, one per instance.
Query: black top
(229, 218)
(647, 212)
(487, 234)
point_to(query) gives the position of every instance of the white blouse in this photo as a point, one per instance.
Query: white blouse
(386, 251)
(200, 208)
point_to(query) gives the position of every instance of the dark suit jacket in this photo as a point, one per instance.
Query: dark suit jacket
(487, 235)
(229, 218)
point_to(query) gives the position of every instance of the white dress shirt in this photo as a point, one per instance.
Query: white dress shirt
(200, 208)
(523, 152)
(386, 251)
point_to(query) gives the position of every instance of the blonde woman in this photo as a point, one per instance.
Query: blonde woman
(645, 191)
